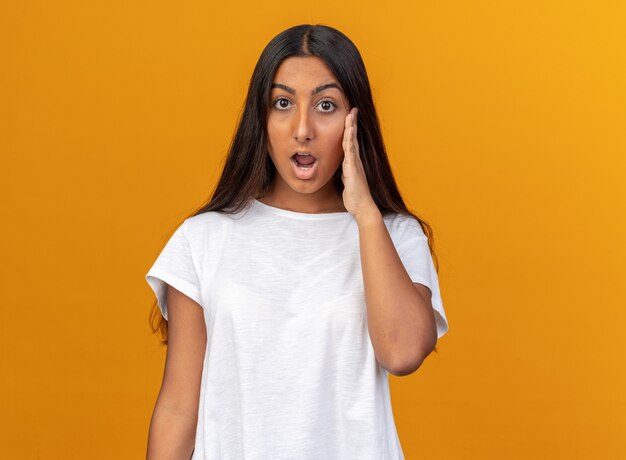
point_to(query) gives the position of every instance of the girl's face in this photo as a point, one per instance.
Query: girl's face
(307, 114)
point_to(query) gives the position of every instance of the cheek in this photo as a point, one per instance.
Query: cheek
(333, 133)
(277, 124)
(275, 134)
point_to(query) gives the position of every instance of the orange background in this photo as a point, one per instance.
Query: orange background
(505, 127)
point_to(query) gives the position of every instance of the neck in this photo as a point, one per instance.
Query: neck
(327, 199)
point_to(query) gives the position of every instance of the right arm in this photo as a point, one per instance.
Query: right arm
(172, 431)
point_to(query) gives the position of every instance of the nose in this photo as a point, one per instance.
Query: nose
(303, 126)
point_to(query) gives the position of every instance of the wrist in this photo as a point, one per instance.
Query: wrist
(371, 215)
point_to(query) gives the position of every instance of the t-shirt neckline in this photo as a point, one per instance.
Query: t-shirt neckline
(301, 215)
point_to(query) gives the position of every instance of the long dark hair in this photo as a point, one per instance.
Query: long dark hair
(248, 170)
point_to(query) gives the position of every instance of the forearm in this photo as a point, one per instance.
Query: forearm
(172, 434)
(399, 319)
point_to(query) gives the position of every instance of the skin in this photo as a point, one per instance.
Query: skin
(172, 430)
(401, 320)
(301, 121)
(400, 317)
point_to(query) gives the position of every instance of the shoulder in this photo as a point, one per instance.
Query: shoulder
(206, 221)
(204, 228)
(399, 224)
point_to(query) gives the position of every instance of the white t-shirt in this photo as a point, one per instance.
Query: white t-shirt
(289, 370)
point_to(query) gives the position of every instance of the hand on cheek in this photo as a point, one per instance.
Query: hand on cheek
(356, 194)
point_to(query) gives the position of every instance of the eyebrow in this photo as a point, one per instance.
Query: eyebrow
(314, 92)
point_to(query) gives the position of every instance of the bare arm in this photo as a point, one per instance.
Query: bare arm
(173, 426)
(400, 315)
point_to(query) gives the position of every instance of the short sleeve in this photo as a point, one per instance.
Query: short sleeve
(412, 246)
(175, 266)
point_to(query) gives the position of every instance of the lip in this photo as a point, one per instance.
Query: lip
(303, 152)
(304, 173)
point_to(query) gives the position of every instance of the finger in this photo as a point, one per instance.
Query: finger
(346, 134)
(354, 138)
(346, 127)
(352, 147)
(348, 144)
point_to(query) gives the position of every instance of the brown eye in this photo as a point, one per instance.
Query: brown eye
(279, 101)
(326, 104)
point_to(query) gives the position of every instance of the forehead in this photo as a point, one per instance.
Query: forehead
(303, 72)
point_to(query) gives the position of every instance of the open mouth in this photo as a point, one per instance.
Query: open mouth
(303, 160)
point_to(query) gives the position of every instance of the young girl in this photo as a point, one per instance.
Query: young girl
(302, 283)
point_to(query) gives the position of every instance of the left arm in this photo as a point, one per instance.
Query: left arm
(400, 316)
